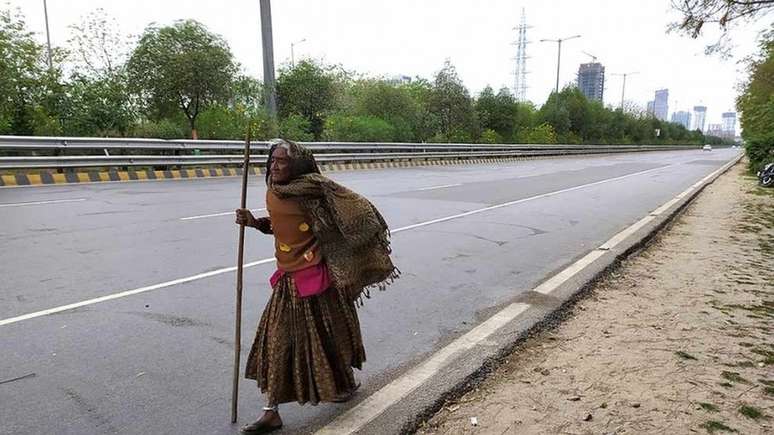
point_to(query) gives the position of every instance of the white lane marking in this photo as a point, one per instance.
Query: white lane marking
(438, 187)
(519, 201)
(128, 293)
(53, 201)
(364, 412)
(268, 260)
(225, 213)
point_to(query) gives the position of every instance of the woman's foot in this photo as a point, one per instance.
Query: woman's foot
(269, 422)
(346, 396)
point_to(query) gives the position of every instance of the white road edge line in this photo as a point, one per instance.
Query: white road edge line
(438, 187)
(270, 260)
(53, 201)
(358, 416)
(189, 218)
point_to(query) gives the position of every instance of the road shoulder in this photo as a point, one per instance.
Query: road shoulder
(677, 339)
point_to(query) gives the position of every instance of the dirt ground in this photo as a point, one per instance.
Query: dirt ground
(677, 340)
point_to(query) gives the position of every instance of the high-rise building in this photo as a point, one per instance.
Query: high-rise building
(591, 80)
(683, 118)
(650, 108)
(714, 130)
(661, 104)
(729, 124)
(699, 116)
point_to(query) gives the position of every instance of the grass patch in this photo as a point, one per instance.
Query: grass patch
(685, 355)
(768, 356)
(709, 407)
(733, 377)
(713, 426)
(750, 412)
(769, 391)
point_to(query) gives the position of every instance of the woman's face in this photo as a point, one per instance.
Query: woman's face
(280, 166)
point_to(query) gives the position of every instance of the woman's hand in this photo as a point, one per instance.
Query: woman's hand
(245, 217)
(264, 225)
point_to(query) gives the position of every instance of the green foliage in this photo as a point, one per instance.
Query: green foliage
(308, 89)
(756, 104)
(296, 127)
(98, 106)
(392, 103)
(162, 129)
(497, 113)
(181, 79)
(31, 94)
(490, 136)
(541, 134)
(343, 128)
(183, 66)
(223, 122)
(450, 102)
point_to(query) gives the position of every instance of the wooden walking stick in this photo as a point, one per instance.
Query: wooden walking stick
(240, 262)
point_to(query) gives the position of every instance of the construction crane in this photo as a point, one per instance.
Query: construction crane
(593, 58)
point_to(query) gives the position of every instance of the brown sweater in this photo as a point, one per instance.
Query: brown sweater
(295, 246)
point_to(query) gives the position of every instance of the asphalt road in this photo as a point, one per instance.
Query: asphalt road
(159, 360)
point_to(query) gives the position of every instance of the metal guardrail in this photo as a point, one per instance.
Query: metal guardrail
(24, 152)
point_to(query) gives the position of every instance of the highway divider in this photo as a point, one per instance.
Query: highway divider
(34, 160)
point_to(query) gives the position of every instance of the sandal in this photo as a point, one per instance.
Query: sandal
(257, 428)
(348, 396)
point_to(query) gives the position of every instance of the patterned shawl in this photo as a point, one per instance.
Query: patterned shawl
(353, 235)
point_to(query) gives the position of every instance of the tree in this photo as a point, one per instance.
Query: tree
(247, 93)
(97, 47)
(183, 66)
(357, 129)
(389, 102)
(31, 93)
(497, 112)
(756, 104)
(308, 89)
(451, 103)
(698, 13)
(98, 107)
(99, 100)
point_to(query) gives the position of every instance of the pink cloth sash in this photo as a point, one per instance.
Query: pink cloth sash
(310, 281)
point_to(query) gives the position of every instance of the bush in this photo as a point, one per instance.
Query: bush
(297, 128)
(163, 129)
(357, 129)
(760, 150)
(542, 134)
(490, 136)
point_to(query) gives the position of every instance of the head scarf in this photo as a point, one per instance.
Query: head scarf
(301, 159)
(354, 237)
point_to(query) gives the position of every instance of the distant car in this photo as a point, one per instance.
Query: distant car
(707, 147)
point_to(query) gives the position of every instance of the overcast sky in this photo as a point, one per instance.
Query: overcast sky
(414, 37)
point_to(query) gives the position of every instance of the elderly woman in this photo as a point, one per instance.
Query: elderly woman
(331, 246)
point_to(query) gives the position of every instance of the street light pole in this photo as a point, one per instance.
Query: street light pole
(292, 55)
(48, 36)
(559, 54)
(623, 87)
(268, 58)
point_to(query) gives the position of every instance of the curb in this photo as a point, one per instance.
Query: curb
(45, 177)
(404, 403)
